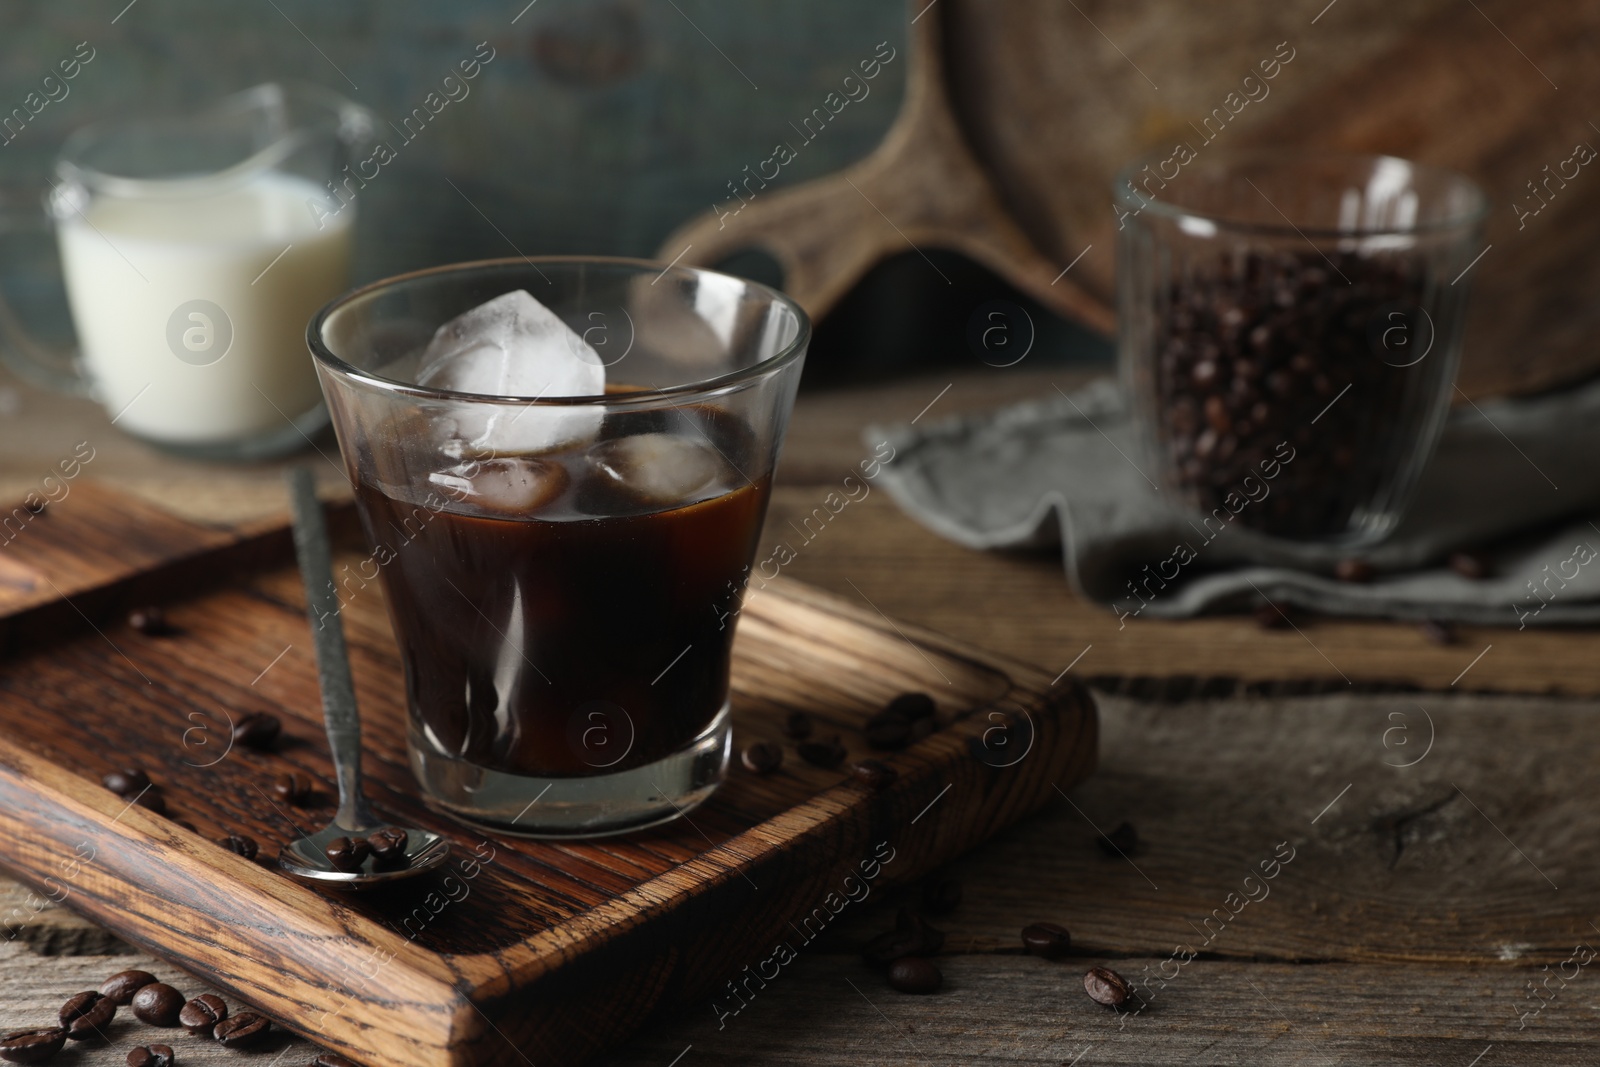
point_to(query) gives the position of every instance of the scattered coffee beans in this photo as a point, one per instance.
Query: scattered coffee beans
(126, 782)
(242, 1030)
(912, 974)
(1122, 841)
(1469, 565)
(888, 731)
(388, 845)
(762, 757)
(257, 730)
(291, 788)
(1249, 350)
(941, 896)
(152, 800)
(329, 1059)
(240, 845)
(346, 854)
(151, 1056)
(913, 706)
(203, 1013)
(32, 1046)
(826, 754)
(1047, 940)
(1437, 632)
(152, 622)
(874, 774)
(158, 1004)
(912, 936)
(1356, 571)
(1106, 987)
(120, 987)
(797, 727)
(87, 1014)
(1274, 616)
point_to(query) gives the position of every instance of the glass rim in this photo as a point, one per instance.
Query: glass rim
(70, 167)
(1230, 159)
(636, 398)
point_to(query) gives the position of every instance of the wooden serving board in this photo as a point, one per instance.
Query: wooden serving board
(538, 952)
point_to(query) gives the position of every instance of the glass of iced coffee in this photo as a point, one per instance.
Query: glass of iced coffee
(562, 467)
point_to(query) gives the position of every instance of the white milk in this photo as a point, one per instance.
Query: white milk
(131, 265)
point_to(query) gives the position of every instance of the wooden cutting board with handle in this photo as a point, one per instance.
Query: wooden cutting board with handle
(1018, 113)
(518, 950)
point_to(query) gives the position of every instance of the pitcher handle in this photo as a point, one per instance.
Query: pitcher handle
(32, 361)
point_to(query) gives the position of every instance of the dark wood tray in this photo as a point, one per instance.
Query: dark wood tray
(556, 950)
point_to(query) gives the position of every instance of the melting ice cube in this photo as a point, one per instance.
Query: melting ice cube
(661, 468)
(512, 486)
(514, 346)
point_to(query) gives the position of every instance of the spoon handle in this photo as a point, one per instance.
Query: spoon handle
(333, 661)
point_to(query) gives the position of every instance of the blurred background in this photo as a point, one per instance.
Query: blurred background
(598, 127)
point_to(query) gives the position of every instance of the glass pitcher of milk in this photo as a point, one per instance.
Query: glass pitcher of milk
(195, 249)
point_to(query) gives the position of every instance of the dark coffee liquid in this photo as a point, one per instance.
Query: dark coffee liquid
(588, 634)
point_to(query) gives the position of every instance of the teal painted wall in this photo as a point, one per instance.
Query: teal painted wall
(598, 127)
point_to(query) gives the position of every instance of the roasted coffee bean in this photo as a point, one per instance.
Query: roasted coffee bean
(1106, 987)
(242, 1030)
(87, 1014)
(258, 729)
(203, 1013)
(388, 844)
(1469, 564)
(797, 727)
(1122, 841)
(33, 506)
(912, 974)
(912, 706)
(874, 774)
(826, 754)
(347, 854)
(912, 936)
(32, 1046)
(151, 1056)
(1357, 571)
(941, 896)
(921, 728)
(1247, 350)
(152, 622)
(158, 1004)
(1048, 940)
(329, 1059)
(291, 788)
(240, 845)
(762, 757)
(888, 731)
(126, 782)
(121, 987)
(1274, 616)
(1438, 632)
(152, 800)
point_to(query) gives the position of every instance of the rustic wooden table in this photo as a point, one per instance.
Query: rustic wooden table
(1431, 898)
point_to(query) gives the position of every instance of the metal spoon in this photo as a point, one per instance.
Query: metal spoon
(306, 858)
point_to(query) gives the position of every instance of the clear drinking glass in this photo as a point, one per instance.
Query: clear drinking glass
(564, 574)
(192, 249)
(1289, 328)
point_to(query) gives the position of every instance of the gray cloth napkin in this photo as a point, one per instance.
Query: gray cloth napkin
(1521, 476)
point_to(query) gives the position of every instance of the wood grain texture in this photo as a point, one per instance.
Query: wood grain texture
(1361, 953)
(1019, 113)
(557, 949)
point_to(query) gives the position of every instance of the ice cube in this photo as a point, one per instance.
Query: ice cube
(660, 468)
(514, 346)
(510, 486)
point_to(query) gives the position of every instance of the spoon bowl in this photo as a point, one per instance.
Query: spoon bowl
(306, 857)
